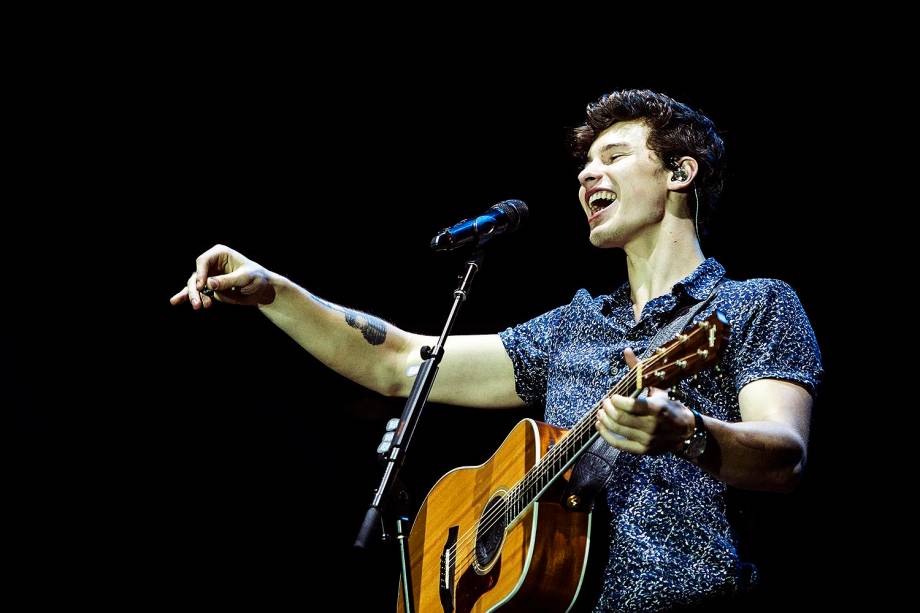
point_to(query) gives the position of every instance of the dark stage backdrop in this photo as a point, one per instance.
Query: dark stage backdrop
(204, 457)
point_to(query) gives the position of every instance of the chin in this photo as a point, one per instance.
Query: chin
(603, 240)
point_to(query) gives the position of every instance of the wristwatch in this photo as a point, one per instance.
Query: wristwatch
(695, 445)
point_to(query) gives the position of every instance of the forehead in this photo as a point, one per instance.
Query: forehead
(631, 134)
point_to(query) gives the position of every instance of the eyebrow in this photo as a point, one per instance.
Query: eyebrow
(608, 147)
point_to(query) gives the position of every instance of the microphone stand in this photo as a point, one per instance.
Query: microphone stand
(402, 432)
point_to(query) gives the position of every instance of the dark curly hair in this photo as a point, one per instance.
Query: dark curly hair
(675, 130)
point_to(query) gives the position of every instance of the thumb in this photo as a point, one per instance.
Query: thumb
(631, 359)
(223, 283)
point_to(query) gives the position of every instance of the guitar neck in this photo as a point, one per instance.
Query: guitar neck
(563, 455)
(685, 355)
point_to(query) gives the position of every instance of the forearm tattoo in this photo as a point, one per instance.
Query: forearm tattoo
(372, 328)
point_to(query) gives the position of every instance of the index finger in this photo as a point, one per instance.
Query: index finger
(633, 406)
(203, 264)
(180, 297)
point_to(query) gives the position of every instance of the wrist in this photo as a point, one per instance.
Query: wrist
(280, 286)
(695, 444)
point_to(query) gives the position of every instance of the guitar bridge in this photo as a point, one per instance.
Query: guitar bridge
(449, 570)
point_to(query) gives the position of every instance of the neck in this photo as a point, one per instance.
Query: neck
(662, 257)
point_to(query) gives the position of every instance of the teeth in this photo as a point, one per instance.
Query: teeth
(603, 195)
(601, 200)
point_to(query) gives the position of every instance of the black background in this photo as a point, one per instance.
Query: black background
(165, 455)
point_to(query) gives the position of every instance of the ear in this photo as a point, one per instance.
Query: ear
(682, 175)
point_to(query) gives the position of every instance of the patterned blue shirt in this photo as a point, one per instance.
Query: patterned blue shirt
(671, 542)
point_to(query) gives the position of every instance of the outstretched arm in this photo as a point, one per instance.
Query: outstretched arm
(476, 371)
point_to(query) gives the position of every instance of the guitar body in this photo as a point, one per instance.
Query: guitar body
(497, 536)
(465, 558)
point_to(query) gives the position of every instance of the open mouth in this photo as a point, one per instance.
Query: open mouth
(599, 201)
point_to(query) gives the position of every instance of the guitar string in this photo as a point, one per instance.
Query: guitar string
(488, 520)
(531, 479)
(545, 464)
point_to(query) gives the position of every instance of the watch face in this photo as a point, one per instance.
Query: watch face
(697, 445)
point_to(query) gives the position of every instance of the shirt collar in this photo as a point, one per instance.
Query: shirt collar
(698, 284)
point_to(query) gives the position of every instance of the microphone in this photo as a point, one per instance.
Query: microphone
(503, 217)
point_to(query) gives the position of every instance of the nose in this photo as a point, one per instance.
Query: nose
(587, 177)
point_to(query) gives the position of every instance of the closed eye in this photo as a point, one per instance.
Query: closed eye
(606, 160)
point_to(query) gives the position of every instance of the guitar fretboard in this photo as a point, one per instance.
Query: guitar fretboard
(552, 465)
(686, 354)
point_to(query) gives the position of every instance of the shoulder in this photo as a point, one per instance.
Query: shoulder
(758, 298)
(763, 310)
(759, 292)
(771, 335)
(582, 301)
(583, 298)
(549, 322)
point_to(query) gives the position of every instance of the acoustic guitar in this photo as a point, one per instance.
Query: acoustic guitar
(500, 535)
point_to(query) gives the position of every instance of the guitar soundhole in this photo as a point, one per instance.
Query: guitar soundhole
(490, 533)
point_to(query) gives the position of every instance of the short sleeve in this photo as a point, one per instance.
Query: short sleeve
(528, 345)
(778, 341)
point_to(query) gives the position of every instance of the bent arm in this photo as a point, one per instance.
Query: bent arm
(767, 449)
